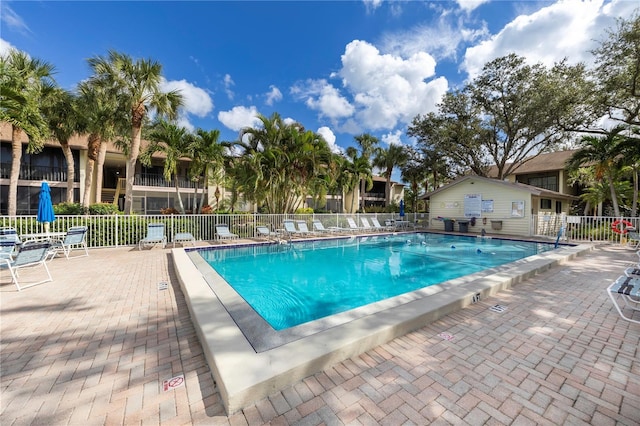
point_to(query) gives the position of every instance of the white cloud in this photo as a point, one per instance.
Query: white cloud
(372, 5)
(330, 137)
(393, 138)
(196, 100)
(274, 95)
(564, 29)
(5, 47)
(380, 91)
(319, 95)
(470, 5)
(228, 84)
(239, 117)
(12, 20)
(389, 90)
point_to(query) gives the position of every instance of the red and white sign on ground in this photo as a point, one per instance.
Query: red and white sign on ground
(445, 336)
(172, 383)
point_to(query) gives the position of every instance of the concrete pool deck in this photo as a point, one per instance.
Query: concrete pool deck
(96, 345)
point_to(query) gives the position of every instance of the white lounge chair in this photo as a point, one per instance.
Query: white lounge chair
(223, 233)
(366, 226)
(291, 230)
(303, 228)
(8, 247)
(377, 226)
(263, 231)
(183, 238)
(75, 238)
(155, 235)
(319, 227)
(31, 254)
(353, 226)
(627, 289)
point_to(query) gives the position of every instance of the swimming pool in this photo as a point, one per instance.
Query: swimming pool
(249, 360)
(292, 284)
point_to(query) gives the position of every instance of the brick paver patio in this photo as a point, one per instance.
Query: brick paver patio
(95, 346)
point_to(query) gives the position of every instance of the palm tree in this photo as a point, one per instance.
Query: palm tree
(24, 84)
(208, 159)
(387, 159)
(63, 124)
(278, 162)
(603, 153)
(367, 145)
(174, 143)
(137, 86)
(630, 148)
(98, 115)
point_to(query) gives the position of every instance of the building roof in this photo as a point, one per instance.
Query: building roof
(541, 163)
(533, 190)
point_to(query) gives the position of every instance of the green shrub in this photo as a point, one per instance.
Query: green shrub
(304, 210)
(103, 209)
(68, 209)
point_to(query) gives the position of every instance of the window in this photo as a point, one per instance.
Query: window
(545, 182)
(545, 204)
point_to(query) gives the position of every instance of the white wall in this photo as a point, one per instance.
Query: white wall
(450, 203)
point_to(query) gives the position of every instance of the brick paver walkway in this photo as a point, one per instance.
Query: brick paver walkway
(95, 346)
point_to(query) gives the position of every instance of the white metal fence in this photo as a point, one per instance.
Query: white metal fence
(585, 228)
(120, 230)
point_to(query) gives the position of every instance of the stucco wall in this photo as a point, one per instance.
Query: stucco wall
(450, 203)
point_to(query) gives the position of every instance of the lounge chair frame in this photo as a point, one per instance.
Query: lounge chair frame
(30, 255)
(76, 238)
(223, 233)
(155, 235)
(627, 289)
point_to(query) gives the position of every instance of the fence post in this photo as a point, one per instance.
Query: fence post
(117, 233)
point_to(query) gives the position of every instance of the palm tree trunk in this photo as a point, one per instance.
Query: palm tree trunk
(362, 188)
(16, 157)
(134, 151)
(180, 204)
(88, 178)
(100, 170)
(614, 197)
(68, 156)
(387, 189)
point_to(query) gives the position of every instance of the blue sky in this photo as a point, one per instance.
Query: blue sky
(340, 68)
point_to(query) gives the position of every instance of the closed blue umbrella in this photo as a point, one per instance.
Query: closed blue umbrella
(401, 208)
(45, 207)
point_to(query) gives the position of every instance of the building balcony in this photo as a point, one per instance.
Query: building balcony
(159, 181)
(51, 174)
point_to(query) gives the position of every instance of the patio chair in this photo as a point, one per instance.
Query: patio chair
(304, 229)
(627, 289)
(376, 225)
(155, 235)
(633, 239)
(366, 226)
(7, 247)
(290, 228)
(223, 233)
(319, 228)
(75, 238)
(353, 226)
(183, 238)
(31, 254)
(264, 232)
(9, 233)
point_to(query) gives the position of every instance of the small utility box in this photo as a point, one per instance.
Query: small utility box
(496, 225)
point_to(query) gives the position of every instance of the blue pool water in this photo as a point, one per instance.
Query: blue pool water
(290, 284)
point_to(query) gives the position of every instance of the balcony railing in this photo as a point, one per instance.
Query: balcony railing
(145, 179)
(27, 172)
